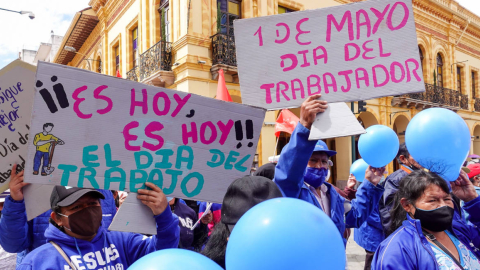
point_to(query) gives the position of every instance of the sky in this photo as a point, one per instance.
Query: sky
(18, 31)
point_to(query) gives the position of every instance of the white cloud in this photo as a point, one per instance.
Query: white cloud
(19, 31)
(472, 5)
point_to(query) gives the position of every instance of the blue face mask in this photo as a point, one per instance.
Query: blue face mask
(315, 177)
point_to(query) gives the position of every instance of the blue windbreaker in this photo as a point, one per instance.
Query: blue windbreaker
(408, 249)
(107, 250)
(370, 234)
(19, 236)
(289, 178)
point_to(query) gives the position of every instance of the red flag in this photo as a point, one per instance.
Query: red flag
(222, 92)
(286, 122)
(118, 74)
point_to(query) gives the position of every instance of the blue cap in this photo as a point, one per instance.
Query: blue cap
(321, 146)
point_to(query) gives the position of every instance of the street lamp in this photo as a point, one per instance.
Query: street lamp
(72, 49)
(30, 14)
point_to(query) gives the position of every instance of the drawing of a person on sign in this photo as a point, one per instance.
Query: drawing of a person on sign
(45, 143)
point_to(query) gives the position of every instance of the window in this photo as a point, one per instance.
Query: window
(229, 11)
(117, 59)
(459, 79)
(99, 63)
(473, 85)
(134, 45)
(282, 10)
(420, 52)
(439, 71)
(165, 20)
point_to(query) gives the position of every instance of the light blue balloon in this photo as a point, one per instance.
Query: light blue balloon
(285, 234)
(439, 140)
(379, 146)
(174, 259)
(358, 169)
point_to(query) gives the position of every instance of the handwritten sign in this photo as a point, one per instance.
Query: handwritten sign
(16, 99)
(98, 131)
(346, 53)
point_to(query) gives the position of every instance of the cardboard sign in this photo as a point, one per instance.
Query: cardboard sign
(346, 53)
(337, 121)
(98, 131)
(16, 99)
(134, 216)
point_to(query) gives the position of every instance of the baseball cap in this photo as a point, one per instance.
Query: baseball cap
(243, 194)
(65, 196)
(321, 146)
(474, 170)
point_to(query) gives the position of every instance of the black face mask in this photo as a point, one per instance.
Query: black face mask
(436, 220)
(86, 221)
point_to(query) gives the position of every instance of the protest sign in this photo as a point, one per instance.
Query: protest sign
(16, 99)
(37, 199)
(337, 121)
(134, 216)
(346, 53)
(98, 131)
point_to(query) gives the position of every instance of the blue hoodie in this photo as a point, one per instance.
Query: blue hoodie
(107, 250)
(407, 248)
(289, 178)
(19, 236)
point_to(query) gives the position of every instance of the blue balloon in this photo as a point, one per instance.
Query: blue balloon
(439, 140)
(174, 259)
(285, 234)
(379, 146)
(358, 169)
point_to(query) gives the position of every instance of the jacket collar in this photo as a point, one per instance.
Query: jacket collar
(54, 234)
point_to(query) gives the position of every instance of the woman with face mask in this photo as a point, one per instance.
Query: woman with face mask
(77, 238)
(429, 232)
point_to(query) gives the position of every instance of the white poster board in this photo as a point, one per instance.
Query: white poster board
(16, 98)
(337, 121)
(346, 53)
(98, 131)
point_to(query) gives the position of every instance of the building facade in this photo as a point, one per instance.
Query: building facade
(181, 45)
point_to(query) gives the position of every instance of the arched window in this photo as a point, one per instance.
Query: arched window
(420, 52)
(439, 70)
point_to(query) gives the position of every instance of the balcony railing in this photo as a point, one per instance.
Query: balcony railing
(133, 74)
(158, 57)
(441, 96)
(477, 104)
(223, 50)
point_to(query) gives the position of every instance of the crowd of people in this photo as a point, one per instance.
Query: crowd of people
(412, 219)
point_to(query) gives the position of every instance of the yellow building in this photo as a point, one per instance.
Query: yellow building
(181, 44)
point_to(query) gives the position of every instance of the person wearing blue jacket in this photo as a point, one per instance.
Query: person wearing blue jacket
(29, 235)
(370, 235)
(430, 233)
(302, 169)
(407, 165)
(78, 240)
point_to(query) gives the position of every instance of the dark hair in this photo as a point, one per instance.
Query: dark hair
(411, 188)
(47, 124)
(217, 244)
(402, 151)
(55, 210)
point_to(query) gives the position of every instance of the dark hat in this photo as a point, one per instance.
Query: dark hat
(243, 194)
(65, 196)
(266, 170)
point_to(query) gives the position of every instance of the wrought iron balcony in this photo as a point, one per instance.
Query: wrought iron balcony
(223, 50)
(477, 104)
(158, 57)
(434, 96)
(133, 74)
